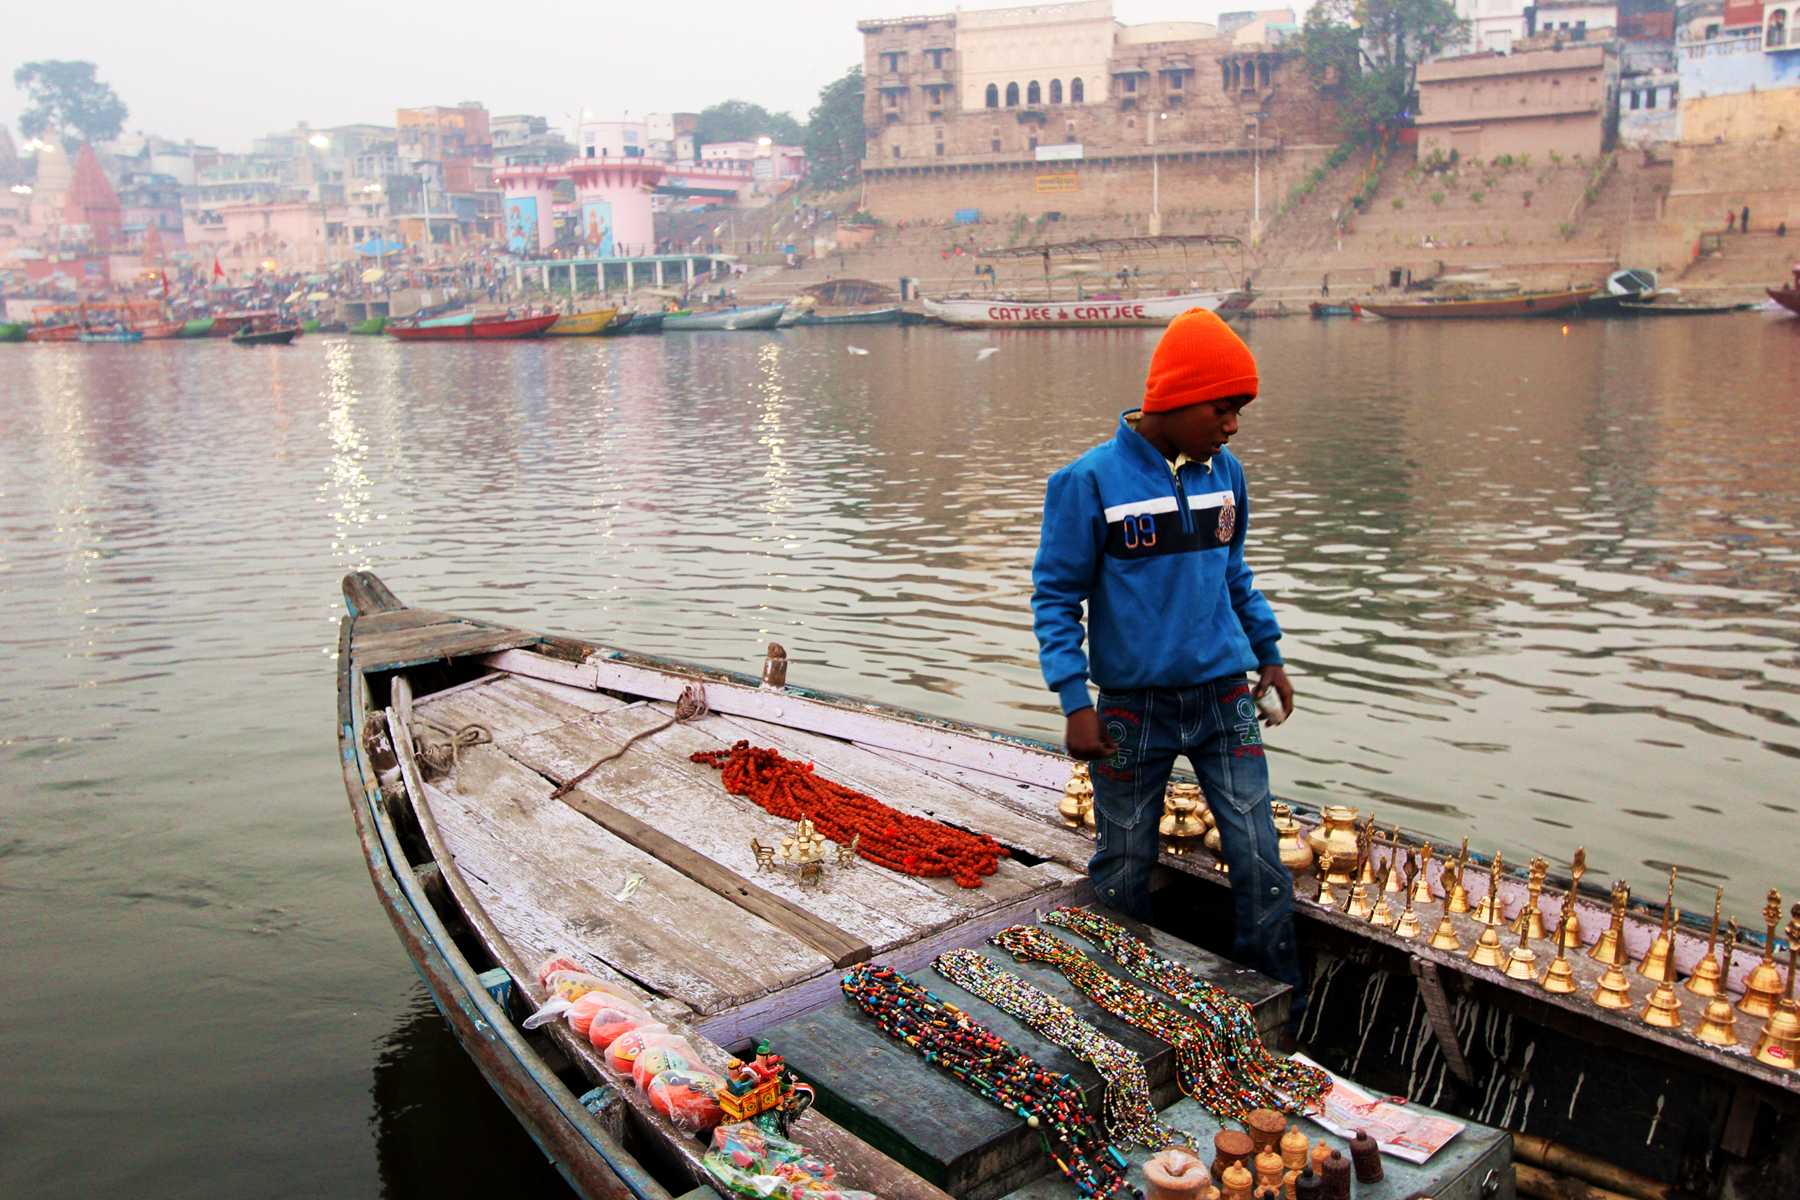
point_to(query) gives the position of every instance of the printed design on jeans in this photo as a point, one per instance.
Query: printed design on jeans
(1120, 762)
(1227, 522)
(1242, 706)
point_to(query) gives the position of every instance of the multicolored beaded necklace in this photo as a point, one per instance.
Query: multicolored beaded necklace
(1128, 1112)
(947, 1037)
(1213, 1062)
(887, 837)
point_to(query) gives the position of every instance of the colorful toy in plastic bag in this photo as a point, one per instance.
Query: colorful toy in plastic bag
(654, 1060)
(590, 1006)
(627, 1046)
(688, 1098)
(744, 1144)
(614, 1019)
(807, 1171)
(571, 985)
(551, 965)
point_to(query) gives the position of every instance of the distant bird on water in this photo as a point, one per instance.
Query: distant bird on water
(856, 349)
(985, 351)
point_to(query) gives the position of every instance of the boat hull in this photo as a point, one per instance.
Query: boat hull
(128, 337)
(197, 327)
(766, 317)
(1150, 311)
(53, 333)
(499, 329)
(1335, 310)
(879, 316)
(587, 324)
(1787, 297)
(12, 332)
(267, 337)
(163, 331)
(370, 328)
(227, 326)
(1542, 304)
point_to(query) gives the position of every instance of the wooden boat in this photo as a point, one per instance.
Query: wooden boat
(470, 328)
(1672, 308)
(12, 331)
(875, 316)
(454, 733)
(124, 336)
(228, 324)
(1787, 297)
(974, 313)
(196, 327)
(633, 323)
(369, 328)
(587, 324)
(1319, 308)
(266, 337)
(1535, 304)
(763, 317)
(162, 330)
(54, 333)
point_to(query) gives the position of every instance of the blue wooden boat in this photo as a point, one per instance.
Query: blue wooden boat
(126, 336)
(764, 317)
(876, 316)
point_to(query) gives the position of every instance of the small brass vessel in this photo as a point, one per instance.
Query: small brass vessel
(1705, 979)
(1615, 988)
(1296, 853)
(1456, 897)
(1184, 821)
(1718, 1024)
(1077, 806)
(1521, 960)
(1335, 834)
(1664, 1007)
(1610, 947)
(1658, 962)
(1762, 987)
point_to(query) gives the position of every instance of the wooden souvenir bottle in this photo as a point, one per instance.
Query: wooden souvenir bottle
(1293, 1148)
(1230, 1146)
(1309, 1184)
(1337, 1177)
(1365, 1156)
(1176, 1174)
(1269, 1170)
(1236, 1182)
(1265, 1127)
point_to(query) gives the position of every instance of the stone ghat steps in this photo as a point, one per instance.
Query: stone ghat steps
(1756, 259)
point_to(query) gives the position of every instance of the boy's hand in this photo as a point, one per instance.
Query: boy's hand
(1085, 737)
(1275, 676)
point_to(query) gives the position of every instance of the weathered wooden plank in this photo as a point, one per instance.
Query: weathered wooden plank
(656, 782)
(365, 594)
(409, 618)
(992, 753)
(511, 707)
(915, 790)
(408, 646)
(1027, 799)
(558, 874)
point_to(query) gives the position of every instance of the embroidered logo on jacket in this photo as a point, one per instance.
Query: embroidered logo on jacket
(1227, 522)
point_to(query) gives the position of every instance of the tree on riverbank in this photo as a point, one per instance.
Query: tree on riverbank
(835, 141)
(1372, 49)
(68, 102)
(742, 121)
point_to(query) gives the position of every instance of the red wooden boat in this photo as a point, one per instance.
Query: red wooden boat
(479, 329)
(1787, 297)
(161, 330)
(227, 325)
(53, 333)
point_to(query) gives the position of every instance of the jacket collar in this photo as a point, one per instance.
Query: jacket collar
(1141, 452)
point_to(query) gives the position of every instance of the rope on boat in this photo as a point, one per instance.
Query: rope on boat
(441, 757)
(691, 707)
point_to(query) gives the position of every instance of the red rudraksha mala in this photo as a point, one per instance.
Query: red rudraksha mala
(889, 837)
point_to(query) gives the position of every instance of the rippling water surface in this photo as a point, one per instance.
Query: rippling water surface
(1538, 587)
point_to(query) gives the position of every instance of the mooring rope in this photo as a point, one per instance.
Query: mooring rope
(690, 707)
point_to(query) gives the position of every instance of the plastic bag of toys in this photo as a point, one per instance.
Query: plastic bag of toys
(627, 1046)
(689, 1098)
(571, 985)
(747, 1161)
(664, 1052)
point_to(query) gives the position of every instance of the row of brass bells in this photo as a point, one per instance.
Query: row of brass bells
(1077, 806)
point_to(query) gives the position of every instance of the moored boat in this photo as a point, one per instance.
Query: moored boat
(229, 323)
(1533, 304)
(1676, 308)
(162, 330)
(12, 331)
(369, 328)
(1788, 297)
(974, 313)
(470, 328)
(523, 797)
(122, 336)
(196, 327)
(627, 324)
(875, 316)
(1320, 308)
(587, 324)
(766, 316)
(53, 333)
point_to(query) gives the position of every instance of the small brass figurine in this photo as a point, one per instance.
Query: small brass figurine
(1530, 920)
(765, 855)
(1456, 898)
(1610, 948)
(1325, 898)
(1704, 982)
(846, 851)
(1780, 1040)
(1658, 962)
(1408, 924)
(1521, 961)
(1487, 952)
(1762, 987)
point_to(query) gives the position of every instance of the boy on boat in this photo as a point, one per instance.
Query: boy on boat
(1147, 531)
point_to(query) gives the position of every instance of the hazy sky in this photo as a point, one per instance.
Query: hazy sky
(224, 73)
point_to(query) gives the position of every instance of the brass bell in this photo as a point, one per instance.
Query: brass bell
(1718, 1024)
(1531, 918)
(1359, 905)
(1559, 978)
(1664, 1007)
(1609, 948)
(1392, 884)
(1325, 898)
(1658, 963)
(1408, 925)
(1421, 884)
(1487, 952)
(1521, 961)
(1779, 1041)
(1456, 897)
(1444, 938)
(1762, 987)
(1706, 975)
(1614, 990)
(1381, 914)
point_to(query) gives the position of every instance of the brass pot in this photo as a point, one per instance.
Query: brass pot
(1336, 833)
(1296, 854)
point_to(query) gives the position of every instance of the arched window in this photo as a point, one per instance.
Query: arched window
(1032, 94)
(1012, 95)
(1777, 35)
(993, 96)
(1056, 91)
(1075, 92)
(1225, 73)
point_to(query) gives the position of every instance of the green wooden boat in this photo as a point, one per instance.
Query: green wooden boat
(12, 331)
(198, 327)
(371, 327)
(311, 325)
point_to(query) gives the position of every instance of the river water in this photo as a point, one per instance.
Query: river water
(1538, 586)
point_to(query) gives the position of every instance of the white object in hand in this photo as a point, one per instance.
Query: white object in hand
(1270, 703)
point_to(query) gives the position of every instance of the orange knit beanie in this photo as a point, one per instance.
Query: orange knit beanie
(1198, 359)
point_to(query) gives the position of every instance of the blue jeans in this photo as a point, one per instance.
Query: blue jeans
(1215, 725)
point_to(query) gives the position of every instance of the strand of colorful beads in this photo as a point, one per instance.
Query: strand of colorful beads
(1303, 1085)
(890, 838)
(1127, 1109)
(945, 1036)
(1206, 1060)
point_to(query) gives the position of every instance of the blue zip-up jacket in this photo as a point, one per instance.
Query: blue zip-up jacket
(1159, 561)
